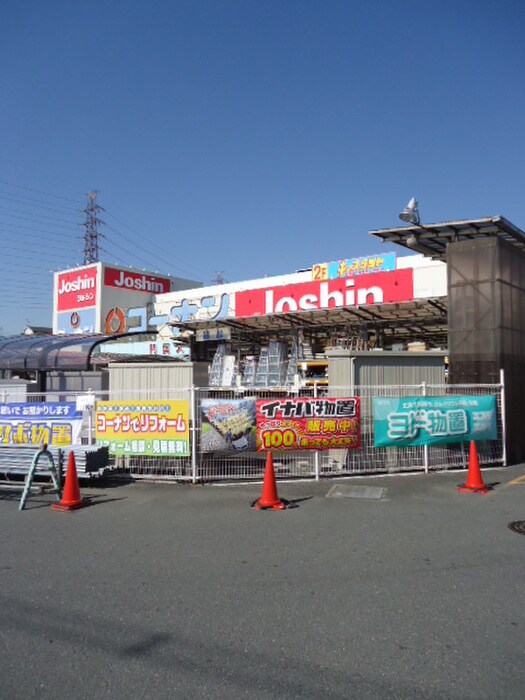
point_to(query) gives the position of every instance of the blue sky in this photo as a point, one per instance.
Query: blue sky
(248, 137)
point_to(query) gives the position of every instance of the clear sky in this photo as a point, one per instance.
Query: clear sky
(248, 137)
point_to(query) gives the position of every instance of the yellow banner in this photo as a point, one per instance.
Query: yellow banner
(157, 428)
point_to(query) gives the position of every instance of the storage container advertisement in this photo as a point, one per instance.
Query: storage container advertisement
(432, 420)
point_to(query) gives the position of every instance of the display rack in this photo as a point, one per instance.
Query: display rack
(313, 371)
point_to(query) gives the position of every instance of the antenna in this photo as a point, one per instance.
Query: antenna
(92, 235)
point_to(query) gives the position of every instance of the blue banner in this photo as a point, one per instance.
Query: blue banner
(433, 420)
(39, 423)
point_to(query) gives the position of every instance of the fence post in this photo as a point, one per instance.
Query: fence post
(91, 410)
(316, 455)
(503, 417)
(425, 447)
(193, 413)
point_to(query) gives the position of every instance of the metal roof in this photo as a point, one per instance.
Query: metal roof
(54, 352)
(424, 319)
(432, 239)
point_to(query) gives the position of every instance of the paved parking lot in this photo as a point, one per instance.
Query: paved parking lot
(178, 591)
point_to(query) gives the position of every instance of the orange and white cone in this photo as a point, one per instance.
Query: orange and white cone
(269, 499)
(474, 482)
(71, 499)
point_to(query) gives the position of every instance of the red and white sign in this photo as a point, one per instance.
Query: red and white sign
(307, 423)
(77, 289)
(380, 288)
(135, 281)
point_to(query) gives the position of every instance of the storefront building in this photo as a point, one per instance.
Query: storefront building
(450, 314)
(102, 298)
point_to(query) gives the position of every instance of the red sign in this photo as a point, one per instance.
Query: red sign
(307, 423)
(135, 281)
(379, 288)
(77, 289)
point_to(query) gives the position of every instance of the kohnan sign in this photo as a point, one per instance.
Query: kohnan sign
(383, 287)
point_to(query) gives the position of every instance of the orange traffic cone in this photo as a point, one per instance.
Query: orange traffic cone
(71, 499)
(474, 482)
(269, 499)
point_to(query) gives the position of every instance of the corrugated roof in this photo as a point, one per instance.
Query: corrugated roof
(49, 352)
(432, 239)
(401, 321)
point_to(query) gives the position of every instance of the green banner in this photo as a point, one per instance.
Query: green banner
(433, 420)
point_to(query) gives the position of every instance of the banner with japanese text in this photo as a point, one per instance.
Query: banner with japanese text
(307, 423)
(155, 428)
(53, 424)
(228, 425)
(432, 420)
(384, 262)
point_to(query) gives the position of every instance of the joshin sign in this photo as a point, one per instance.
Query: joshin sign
(307, 424)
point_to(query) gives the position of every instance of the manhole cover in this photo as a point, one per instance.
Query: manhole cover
(518, 526)
(345, 491)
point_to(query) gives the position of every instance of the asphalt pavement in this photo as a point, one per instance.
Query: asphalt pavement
(407, 589)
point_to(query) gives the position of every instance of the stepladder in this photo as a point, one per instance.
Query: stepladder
(41, 458)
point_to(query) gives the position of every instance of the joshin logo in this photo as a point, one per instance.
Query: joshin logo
(76, 284)
(76, 289)
(135, 282)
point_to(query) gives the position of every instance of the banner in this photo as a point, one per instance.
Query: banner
(53, 424)
(385, 262)
(156, 428)
(433, 420)
(228, 425)
(307, 423)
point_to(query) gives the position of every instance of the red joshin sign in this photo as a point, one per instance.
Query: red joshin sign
(135, 281)
(379, 288)
(77, 289)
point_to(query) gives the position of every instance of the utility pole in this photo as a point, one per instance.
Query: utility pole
(92, 235)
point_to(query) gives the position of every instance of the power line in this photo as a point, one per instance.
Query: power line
(32, 189)
(39, 219)
(28, 202)
(169, 253)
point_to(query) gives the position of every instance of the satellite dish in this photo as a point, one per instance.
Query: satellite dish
(410, 213)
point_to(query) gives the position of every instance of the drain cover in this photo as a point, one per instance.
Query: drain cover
(346, 491)
(518, 526)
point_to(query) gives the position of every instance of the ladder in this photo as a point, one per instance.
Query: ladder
(42, 452)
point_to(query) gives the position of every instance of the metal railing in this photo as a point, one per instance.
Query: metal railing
(249, 464)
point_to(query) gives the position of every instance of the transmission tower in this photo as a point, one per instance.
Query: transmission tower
(92, 235)
(219, 278)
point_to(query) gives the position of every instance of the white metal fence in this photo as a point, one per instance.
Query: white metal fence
(250, 464)
(367, 459)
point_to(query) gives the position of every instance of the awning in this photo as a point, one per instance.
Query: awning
(421, 319)
(54, 352)
(432, 239)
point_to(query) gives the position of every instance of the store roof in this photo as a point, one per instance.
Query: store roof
(51, 352)
(432, 239)
(424, 319)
